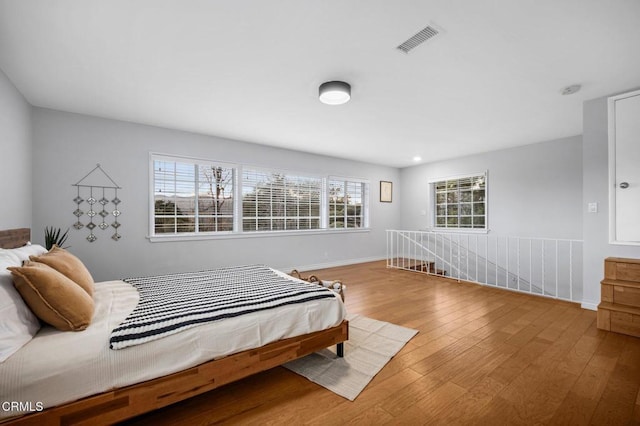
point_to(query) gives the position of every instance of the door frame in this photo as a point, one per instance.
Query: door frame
(612, 167)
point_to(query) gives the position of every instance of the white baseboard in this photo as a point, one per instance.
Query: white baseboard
(592, 306)
(333, 264)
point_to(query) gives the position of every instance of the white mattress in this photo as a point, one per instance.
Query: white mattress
(58, 367)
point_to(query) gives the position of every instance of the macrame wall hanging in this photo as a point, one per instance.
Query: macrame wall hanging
(98, 193)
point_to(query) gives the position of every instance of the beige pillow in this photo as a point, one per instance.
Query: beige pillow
(54, 298)
(68, 265)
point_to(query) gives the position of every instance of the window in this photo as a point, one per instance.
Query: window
(273, 201)
(460, 203)
(347, 201)
(192, 197)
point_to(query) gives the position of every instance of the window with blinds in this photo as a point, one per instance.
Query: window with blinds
(460, 203)
(192, 197)
(276, 201)
(347, 202)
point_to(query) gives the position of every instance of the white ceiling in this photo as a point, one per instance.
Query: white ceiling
(250, 69)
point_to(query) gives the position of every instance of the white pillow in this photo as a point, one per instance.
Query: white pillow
(24, 252)
(18, 324)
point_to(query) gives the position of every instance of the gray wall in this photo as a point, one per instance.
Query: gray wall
(533, 190)
(560, 178)
(15, 157)
(67, 146)
(595, 181)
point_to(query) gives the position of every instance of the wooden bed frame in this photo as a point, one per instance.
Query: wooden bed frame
(14, 238)
(123, 403)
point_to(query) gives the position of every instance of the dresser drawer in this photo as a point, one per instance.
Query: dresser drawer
(617, 268)
(626, 295)
(628, 271)
(622, 322)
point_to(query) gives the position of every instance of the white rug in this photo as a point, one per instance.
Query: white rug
(371, 345)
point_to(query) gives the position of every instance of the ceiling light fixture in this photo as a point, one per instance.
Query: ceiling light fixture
(417, 158)
(335, 92)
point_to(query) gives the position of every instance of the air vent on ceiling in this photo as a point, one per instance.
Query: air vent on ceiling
(423, 35)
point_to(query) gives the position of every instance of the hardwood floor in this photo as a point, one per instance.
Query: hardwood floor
(482, 356)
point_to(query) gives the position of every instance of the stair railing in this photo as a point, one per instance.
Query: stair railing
(542, 266)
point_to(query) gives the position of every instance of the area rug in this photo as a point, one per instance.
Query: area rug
(371, 345)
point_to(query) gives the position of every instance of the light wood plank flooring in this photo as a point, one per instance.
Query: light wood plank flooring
(482, 356)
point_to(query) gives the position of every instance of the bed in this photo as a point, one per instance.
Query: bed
(97, 385)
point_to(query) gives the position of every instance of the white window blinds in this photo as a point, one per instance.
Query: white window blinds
(192, 197)
(275, 201)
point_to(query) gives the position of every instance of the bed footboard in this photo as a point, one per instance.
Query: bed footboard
(124, 403)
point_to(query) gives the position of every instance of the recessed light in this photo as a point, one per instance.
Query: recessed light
(417, 158)
(335, 92)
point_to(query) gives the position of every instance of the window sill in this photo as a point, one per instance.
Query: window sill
(264, 234)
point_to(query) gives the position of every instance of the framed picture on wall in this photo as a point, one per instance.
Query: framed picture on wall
(386, 191)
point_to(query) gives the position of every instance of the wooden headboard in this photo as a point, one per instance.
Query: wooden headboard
(12, 238)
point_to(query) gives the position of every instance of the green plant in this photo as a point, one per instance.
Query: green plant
(52, 236)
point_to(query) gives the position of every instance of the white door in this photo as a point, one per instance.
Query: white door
(626, 185)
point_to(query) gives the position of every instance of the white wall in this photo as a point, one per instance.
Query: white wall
(15, 157)
(595, 181)
(533, 190)
(67, 146)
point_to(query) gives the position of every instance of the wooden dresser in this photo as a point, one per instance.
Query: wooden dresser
(619, 309)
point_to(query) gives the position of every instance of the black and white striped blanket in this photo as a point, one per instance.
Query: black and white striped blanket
(171, 303)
